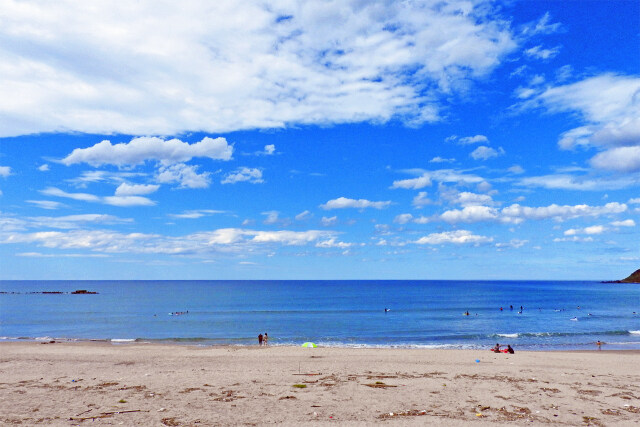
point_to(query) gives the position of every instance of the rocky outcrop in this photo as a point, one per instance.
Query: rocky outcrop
(634, 278)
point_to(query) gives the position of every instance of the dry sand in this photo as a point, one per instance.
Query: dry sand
(154, 385)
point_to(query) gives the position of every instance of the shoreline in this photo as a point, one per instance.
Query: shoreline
(206, 343)
(72, 383)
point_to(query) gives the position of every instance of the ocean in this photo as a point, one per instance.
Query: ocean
(421, 314)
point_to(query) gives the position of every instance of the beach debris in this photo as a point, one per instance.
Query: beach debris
(162, 409)
(299, 386)
(309, 345)
(410, 413)
(105, 415)
(477, 360)
(379, 384)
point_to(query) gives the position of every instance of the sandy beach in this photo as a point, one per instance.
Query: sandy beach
(147, 384)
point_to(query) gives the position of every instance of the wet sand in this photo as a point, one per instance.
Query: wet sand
(87, 383)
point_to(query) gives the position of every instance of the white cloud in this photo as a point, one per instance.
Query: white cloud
(473, 139)
(272, 217)
(333, 243)
(610, 105)
(576, 239)
(186, 175)
(126, 201)
(328, 221)
(421, 200)
(634, 201)
(110, 72)
(513, 243)
(516, 169)
(465, 198)
(343, 202)
(621, 159)
(5, 171)
(142, 149)
(195, 214)
(486, 153)
(269, 149)
(439, 159)
(594, 229)
(538, 52)
(46, 204)
(226, 240)
(516, 214)
(109, 200)
(624, 223)
(125, 189)
(243, 174)
(74, 221)
(470, 214)
(542, 26)
(303, 215)
(43, 168)
(413, 183)
(403, 218)
(458, 237)
(578, 182)
(56, 192)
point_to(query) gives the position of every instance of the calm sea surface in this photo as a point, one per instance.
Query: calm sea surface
(555, 315)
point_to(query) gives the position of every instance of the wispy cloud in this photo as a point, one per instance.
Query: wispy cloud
(343, 203)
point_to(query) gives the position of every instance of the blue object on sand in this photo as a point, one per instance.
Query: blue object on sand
(477, 360)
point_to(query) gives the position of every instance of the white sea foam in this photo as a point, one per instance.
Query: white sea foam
(634, 332)
(123, 340)
(508, 335)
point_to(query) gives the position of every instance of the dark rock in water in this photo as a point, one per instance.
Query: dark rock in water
(83, 292)
(633, 278)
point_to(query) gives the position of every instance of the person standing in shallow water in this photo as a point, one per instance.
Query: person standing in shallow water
(260, 339)
(266, 339)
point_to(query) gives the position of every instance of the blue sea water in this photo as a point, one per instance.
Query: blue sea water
(429, 314)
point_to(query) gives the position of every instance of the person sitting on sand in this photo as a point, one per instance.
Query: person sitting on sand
(496, 349)
(509, 349)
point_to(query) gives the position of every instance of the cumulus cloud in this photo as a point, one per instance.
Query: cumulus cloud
(421, 200)
(125, 189)
(466, 198)
(333, 243)
(439, 159)
(413, 183)
(343, 202)
(142, 149)
(486, 153)
(516, 169)
(186, 175)
(594, 229)
(565, 181)
(609, 104)
(403, 218)
(458, 237)
(43, 168)
(243, 174)
(220, 240)
(269, 149)
(516, 214)
(272, 217)
(5, 171)
(109, 72)
(473, 140)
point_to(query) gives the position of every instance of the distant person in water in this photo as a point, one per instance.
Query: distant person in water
(509, 349)
(260, 339)
(599, 344)
(266, 339)
(510, 307)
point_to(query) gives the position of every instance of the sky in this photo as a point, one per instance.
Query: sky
(320, 140)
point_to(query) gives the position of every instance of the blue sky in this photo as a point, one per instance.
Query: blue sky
(320, 140)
